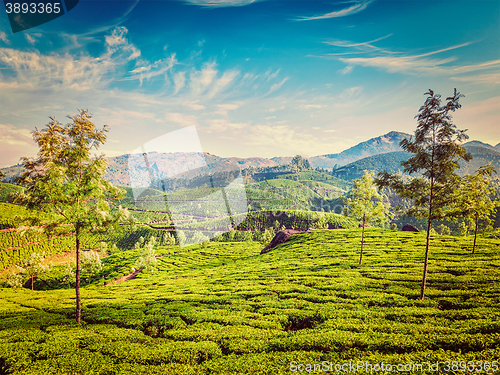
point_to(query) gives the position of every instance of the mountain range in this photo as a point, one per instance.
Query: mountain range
(378, 153)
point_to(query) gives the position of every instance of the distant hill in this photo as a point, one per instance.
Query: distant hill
(379, 145)
(377, 153)
(391, 162)
(484, 145)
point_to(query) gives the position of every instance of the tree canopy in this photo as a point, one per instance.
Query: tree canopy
(365, 204)
(436, 149)
(66, 182)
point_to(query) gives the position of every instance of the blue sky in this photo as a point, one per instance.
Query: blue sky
(257, 78)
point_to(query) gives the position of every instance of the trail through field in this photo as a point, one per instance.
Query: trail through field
(130, 276)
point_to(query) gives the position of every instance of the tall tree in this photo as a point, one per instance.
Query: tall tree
(66, 181)
(299, 164)
(365, 204)
(436, 149)
(473, 198)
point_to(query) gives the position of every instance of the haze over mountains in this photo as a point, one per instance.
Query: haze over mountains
(378, 153)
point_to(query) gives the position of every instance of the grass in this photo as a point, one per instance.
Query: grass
(223, 308)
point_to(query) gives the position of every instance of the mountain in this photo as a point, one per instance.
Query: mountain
(379, 145)
(376, 154)
(391, 162)
(179, 164)
(482, 144)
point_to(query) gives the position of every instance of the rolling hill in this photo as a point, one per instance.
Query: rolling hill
(391, 162)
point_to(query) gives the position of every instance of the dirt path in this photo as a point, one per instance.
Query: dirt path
(130, 276)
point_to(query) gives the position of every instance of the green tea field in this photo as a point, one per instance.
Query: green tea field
(222, 308)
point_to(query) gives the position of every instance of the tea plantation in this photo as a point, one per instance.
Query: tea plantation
(222, 308)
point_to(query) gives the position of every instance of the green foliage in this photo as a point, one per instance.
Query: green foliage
(444, 230)
(225, 309)
(68, 275)
(473, 198)
(365, 204)
(147, 261)
(6, 190)
(31, 268)
(66, 182)
(90, 264)
(436, 150)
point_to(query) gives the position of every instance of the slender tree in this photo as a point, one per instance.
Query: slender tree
(473, 198)
(365, 204)
(148, 259)
(66, 182)
(90, 264)
(436, 149)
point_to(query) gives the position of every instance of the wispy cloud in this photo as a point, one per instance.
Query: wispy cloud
(356, 8)
(221, 3)
(398, 62)
(222, 109)
(277, 86)
(3, 37)
(273, 75)
(348, 69)
(181, 119)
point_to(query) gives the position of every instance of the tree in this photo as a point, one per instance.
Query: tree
(299, 164)
(148, 259)
(365, 204)
(2, 176)
(65, 181)
(473, 198)
(31, 267)
(90, 264)
(68, 273)
(436, 150)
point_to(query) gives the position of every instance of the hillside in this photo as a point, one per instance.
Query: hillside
(386, 143)
(225, 309)
(391, 162)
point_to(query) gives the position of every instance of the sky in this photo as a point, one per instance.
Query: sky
(256, 78)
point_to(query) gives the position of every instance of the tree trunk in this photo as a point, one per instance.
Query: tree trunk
(426, 261)
(362, 240)
(475, 235)
(32, 281)
(428, 240)
(77, 286)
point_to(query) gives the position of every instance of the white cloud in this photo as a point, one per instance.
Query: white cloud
(179, 81)
(348, 69)
(223, 125)
(118, 41)
(272, 76)
(148, 70)
(221, 3)
(356, 8)
(351, 92)
(30, 39)
(3, 37)
(194, 105)
(181, 119)
(200, 80)
(312, 106)
(224, 108)
(222, 83)
(276, 86)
